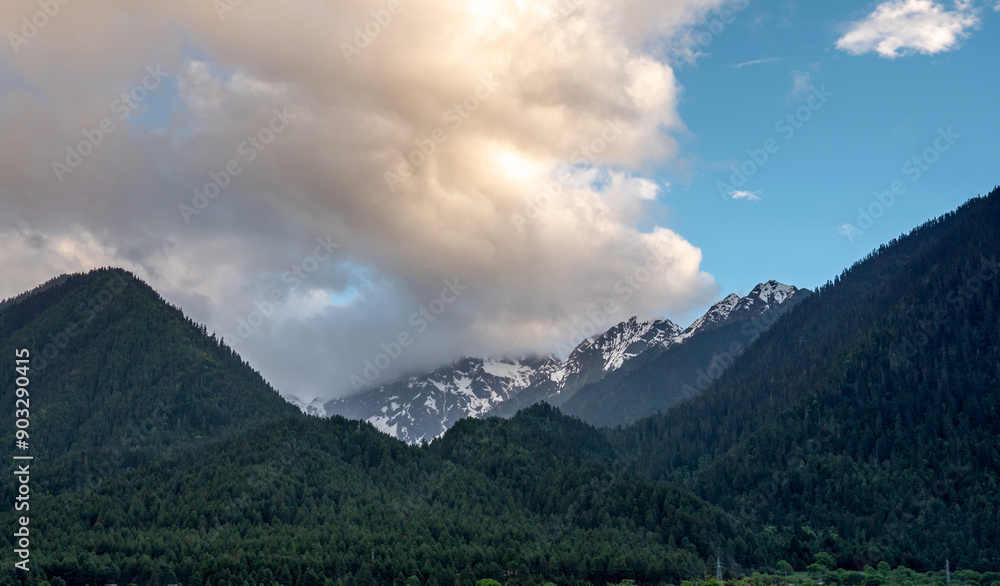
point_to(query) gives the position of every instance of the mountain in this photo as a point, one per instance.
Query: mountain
(160, 457)
(423, 407)
(595, 383)
(660, 380)
(592, 360)
(420, 408)
(98, 387)
(866, 422)
(734, 308)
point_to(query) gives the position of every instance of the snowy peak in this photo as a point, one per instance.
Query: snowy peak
(424, 407)
(629, 339)
(716, 315)
(763, 297)
(593, 359)
(772, 292)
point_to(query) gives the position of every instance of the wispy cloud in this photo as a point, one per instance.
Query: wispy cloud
(847, 229)
(757, 62)
(801, 83)
(747, 195)
(903, 27)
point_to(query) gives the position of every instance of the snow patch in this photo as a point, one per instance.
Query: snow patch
(518, 373)
(382, 424)
(558, 375)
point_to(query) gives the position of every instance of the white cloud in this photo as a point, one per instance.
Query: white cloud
(848, 230)
(560, 83)
(903, 27)
(747, 195)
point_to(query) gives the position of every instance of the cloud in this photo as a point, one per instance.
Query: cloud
(747, 195)
(757, 62)
(849, 230)
(288, 119)
(801, 83)
(903, 27)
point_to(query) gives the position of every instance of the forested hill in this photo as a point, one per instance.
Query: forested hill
(308, 502)
(118, 375)
(867, 421)
(162, 458)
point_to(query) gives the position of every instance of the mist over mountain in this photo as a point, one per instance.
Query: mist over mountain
(422, 407)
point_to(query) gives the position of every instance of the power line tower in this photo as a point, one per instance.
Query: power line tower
(718, 569)
(947, 571)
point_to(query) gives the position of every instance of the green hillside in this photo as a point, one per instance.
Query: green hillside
(866, 422)
(161, 457)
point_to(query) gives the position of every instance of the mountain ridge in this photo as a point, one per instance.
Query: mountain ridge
(474, 394)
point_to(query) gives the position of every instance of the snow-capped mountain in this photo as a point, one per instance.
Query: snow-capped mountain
(735, 308)
(424, 407)
(593, 359)
(315, 407)
(600, 355)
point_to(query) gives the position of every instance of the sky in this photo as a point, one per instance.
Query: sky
(347, 186)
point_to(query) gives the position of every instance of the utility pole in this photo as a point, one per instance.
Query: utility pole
(718, 569)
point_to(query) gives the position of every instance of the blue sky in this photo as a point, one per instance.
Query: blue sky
(883, 112)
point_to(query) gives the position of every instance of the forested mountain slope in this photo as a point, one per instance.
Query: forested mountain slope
(655, 382)
(867, 421)
(118, 375)
(161, 457)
